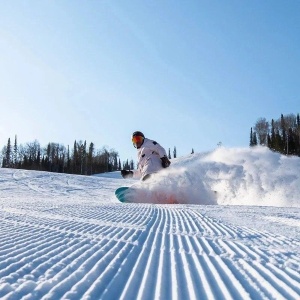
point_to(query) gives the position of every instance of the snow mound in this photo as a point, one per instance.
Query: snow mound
(233, 176)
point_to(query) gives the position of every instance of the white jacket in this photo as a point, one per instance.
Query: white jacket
(149, 161)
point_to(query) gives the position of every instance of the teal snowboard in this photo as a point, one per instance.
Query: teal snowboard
(132, 194)
(122, 193)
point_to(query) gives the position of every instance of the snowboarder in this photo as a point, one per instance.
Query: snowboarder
(152, 157)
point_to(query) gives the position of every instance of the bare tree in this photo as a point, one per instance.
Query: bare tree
(262, 129)
(33, 150)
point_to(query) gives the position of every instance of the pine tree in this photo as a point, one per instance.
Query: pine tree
(90, 158)
(43, 163)
(8, 153)
(83, 159)
(68, 170)
(291, 142)
(169, 155)
(269, 141)
(254, 139)
(38, 159)
(15, 162)
(272, 142)
(75, 159)
(174, 152)
(283, 134)
(48, 159)
(298, 135)
(251, 144)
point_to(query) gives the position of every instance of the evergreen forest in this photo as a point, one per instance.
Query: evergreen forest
(82, 159)
(280, 135)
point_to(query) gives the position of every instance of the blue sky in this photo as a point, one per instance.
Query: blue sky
(188, 74)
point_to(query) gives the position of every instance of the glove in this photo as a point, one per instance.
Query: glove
(126, 174)
(165, 162)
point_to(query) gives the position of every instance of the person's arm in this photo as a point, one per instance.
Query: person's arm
(161, 152)
(131, 174)
(154, 146)
(165, 162)
(126, 174)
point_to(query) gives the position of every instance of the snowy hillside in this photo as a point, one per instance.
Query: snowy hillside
(235, 235)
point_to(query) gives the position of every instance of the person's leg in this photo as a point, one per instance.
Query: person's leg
(146, 177)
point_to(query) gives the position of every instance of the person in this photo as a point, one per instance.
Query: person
(152, 157)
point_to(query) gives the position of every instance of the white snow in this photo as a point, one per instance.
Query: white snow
(235, 235)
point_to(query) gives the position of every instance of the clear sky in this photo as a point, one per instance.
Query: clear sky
(188, 74)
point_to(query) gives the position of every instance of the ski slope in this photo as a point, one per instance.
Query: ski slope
(67, 237)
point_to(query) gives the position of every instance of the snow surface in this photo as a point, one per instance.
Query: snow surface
(235, 235)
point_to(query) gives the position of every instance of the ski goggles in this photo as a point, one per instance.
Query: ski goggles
(137, 139)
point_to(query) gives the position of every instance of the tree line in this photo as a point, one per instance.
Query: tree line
(80, 159)
(280, 135)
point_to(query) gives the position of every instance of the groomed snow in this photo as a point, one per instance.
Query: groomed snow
(235, 235)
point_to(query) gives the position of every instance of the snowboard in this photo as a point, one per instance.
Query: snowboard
(132, 194)
(121, 193)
